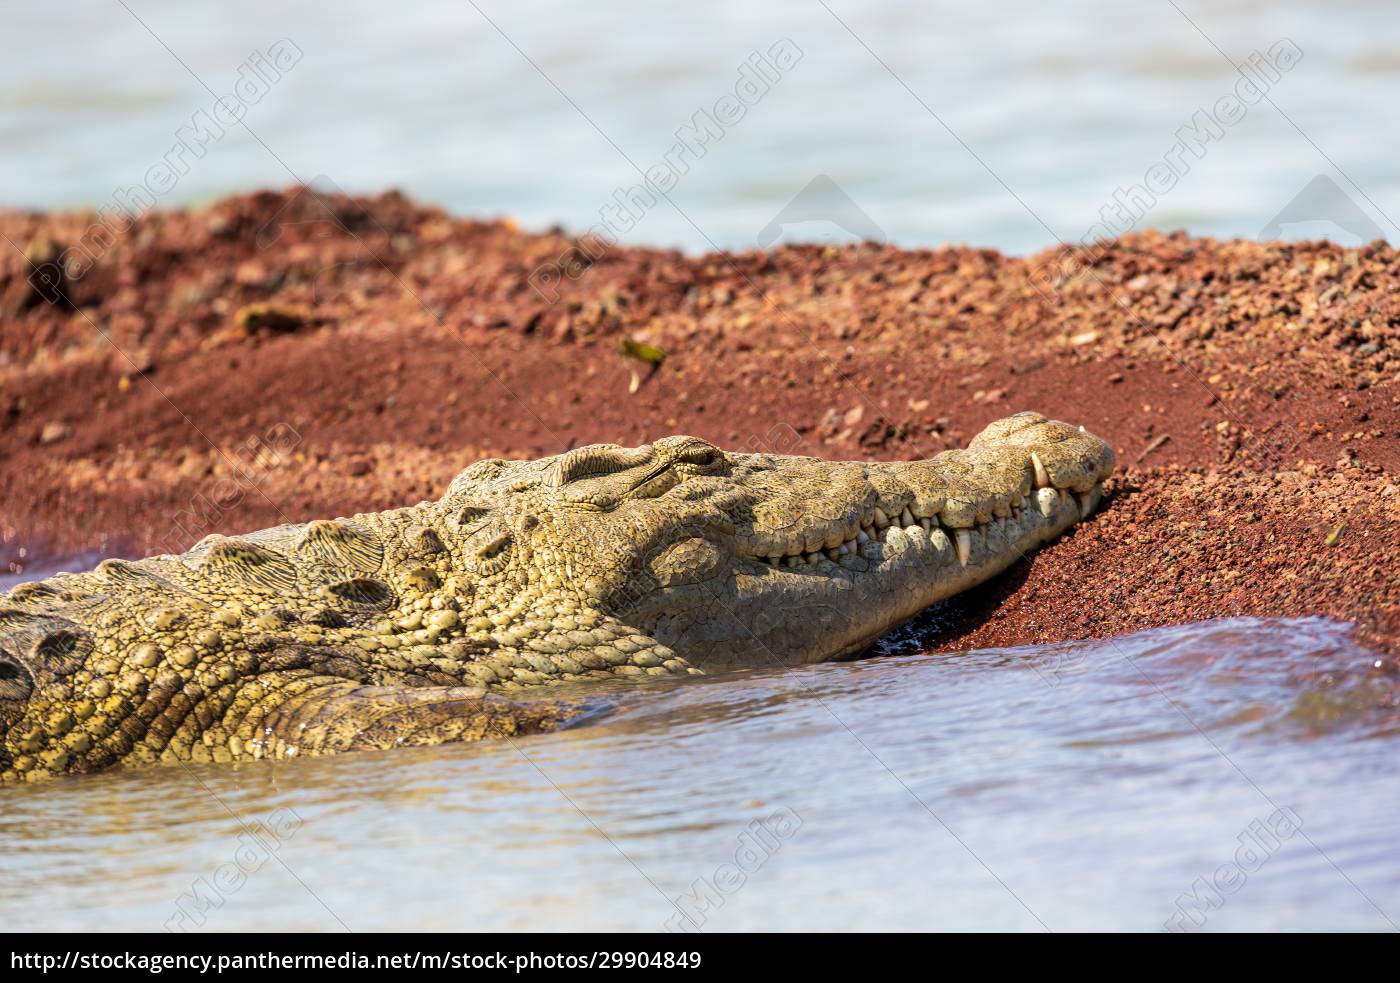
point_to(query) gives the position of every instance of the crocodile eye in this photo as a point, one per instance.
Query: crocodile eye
(701, 455)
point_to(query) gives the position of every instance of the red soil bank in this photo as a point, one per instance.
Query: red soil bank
(1250, 389)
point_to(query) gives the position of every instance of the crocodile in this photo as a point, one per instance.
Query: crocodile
(486, 613)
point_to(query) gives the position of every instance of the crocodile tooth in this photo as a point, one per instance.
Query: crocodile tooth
(849, 546)
(906, 518)
(1045, 499)
(964, 543)
(1042, 477)
(775, 560)
(1085, 505)
(881, 520)
(813, 557)
(862, 537)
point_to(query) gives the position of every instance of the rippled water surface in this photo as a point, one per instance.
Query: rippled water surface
(1067, 787)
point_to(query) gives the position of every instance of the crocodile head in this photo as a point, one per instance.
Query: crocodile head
(737, 560)
(436, 622)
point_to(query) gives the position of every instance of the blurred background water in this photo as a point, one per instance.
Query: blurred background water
(1005, 125)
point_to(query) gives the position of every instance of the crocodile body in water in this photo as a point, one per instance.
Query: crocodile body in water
(445, 620)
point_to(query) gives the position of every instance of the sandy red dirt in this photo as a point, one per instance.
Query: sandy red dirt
(1249, 389)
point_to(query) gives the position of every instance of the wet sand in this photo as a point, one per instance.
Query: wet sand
(278, 357)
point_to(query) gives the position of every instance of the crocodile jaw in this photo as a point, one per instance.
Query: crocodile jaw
(918, 567)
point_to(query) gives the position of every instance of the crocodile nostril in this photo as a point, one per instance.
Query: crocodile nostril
(494, 546)
(15, 683)
(16, 686)
(470, 517)
(489, 552)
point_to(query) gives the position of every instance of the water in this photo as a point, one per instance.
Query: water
(1077, 786)
(1063, 104)
(27, 566)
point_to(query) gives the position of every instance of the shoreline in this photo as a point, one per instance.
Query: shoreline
(249, 363)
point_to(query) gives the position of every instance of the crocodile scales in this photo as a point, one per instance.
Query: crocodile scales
(449, 620)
